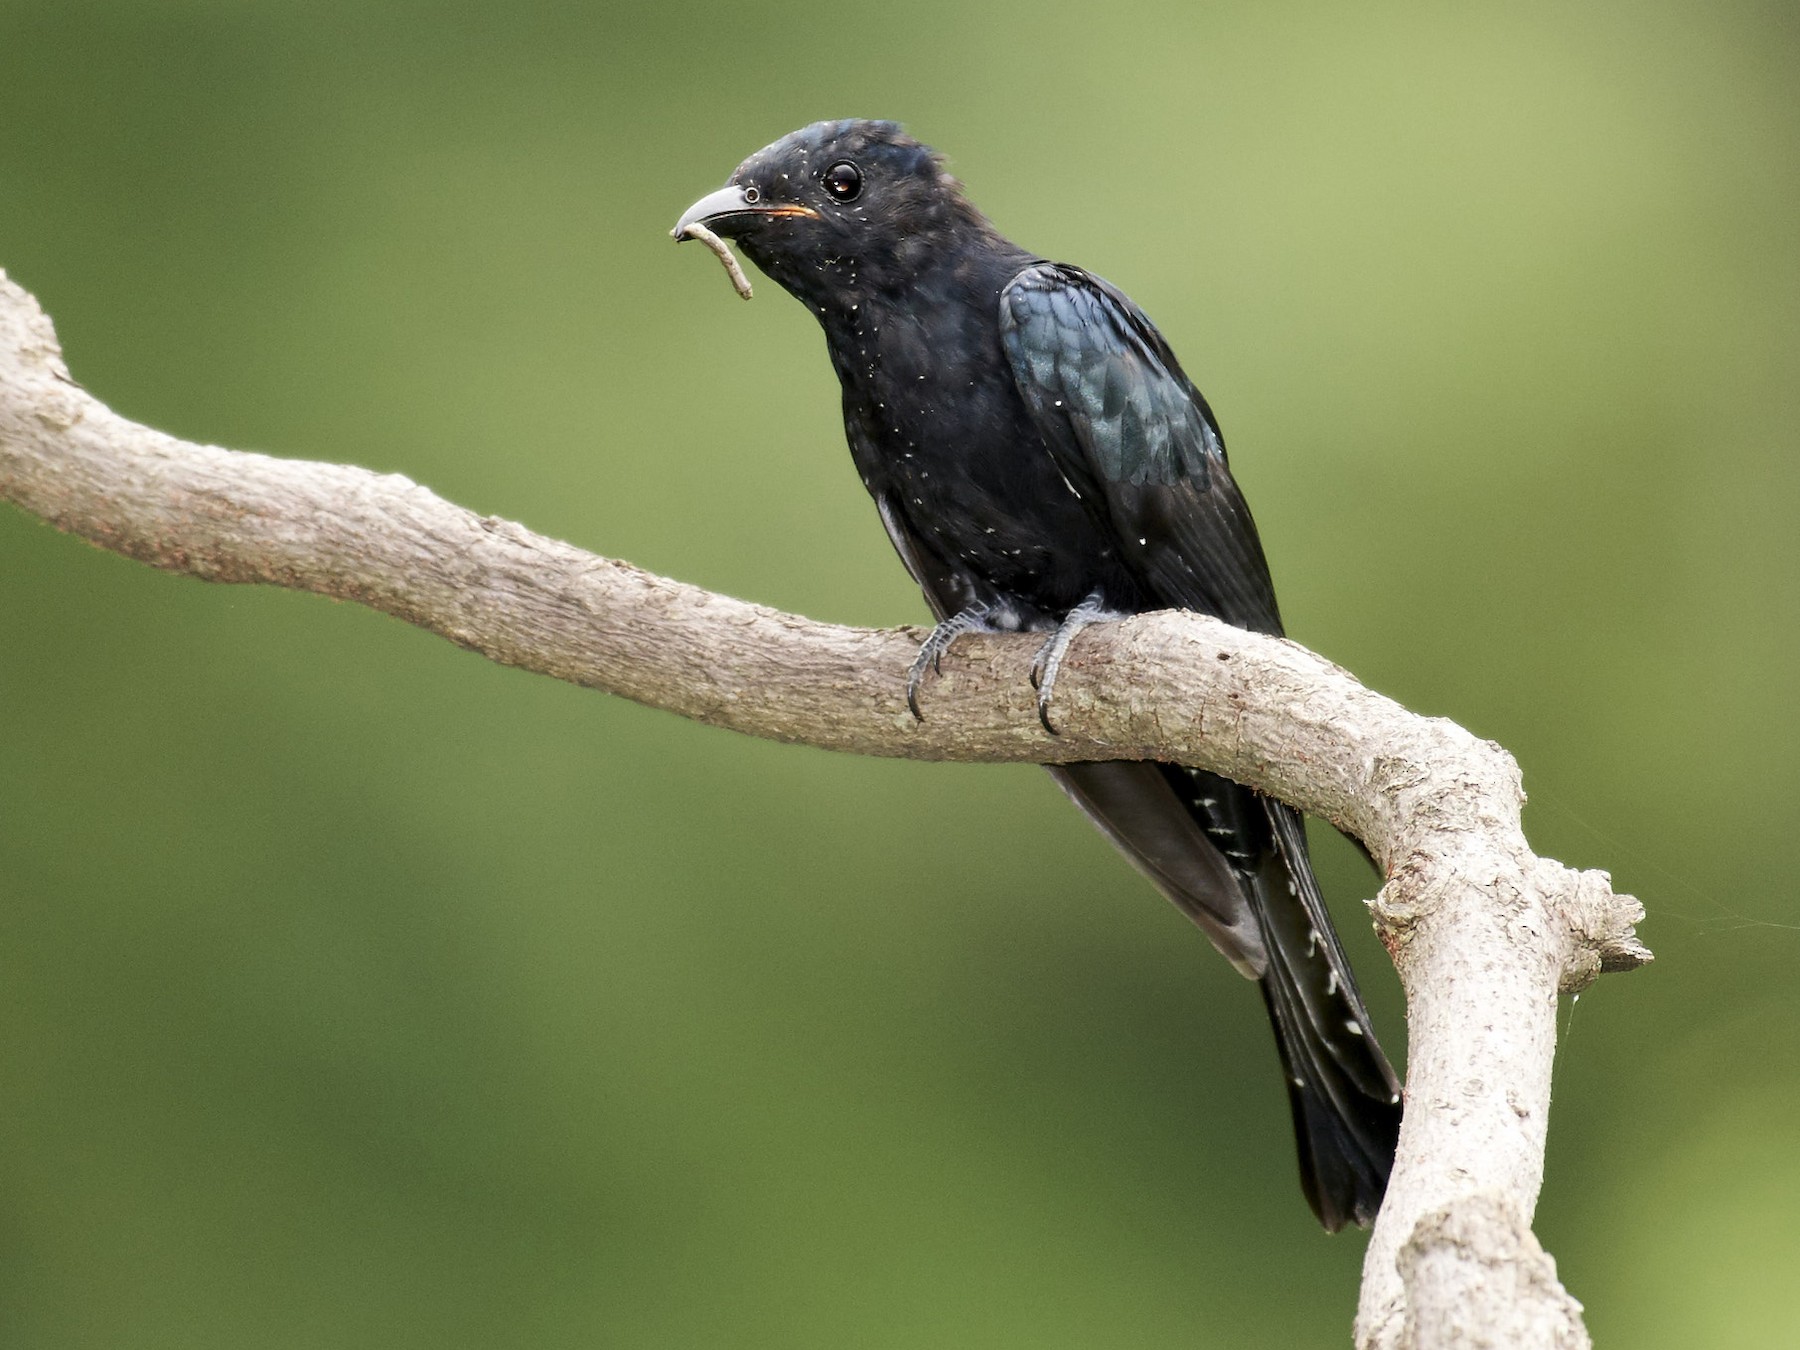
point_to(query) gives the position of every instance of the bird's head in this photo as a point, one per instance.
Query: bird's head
(837, 200)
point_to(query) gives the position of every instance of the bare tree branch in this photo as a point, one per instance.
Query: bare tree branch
(1484, 933)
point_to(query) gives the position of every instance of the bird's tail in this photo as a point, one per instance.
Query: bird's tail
(1235, 862)
(1343, 1093)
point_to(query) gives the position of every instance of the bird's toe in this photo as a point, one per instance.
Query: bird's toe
(974, 619)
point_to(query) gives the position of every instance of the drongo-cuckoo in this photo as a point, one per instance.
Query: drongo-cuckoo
(1041, 461)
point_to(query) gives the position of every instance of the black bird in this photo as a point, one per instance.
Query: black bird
(1041, 462)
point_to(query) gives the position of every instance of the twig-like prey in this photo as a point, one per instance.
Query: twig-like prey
(739, 282)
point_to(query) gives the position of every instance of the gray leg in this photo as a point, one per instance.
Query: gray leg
(1050, 656)
(974, 619)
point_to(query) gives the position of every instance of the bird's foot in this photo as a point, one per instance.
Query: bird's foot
(1049, 659)
(974, 619)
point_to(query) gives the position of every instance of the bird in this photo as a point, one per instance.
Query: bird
(1041, 462)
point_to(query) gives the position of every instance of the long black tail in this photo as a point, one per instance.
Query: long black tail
(1236, 863)
(1343, 1093)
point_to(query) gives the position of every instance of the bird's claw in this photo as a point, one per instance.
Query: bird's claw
(914, 677)
(1049, 658)
(974, 619)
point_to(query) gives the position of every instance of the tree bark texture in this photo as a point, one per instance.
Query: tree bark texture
(1485, 934)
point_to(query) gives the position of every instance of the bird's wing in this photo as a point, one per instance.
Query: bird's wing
(1131, 434)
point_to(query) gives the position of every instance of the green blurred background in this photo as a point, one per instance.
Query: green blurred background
(356, 992)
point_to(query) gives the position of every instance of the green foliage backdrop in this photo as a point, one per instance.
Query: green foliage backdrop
(354, 992)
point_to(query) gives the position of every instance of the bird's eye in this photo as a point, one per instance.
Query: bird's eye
(843, 180)
(752, 194)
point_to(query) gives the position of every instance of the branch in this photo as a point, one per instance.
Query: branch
(1484, 933)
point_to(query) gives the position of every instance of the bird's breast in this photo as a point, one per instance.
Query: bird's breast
(941, 431)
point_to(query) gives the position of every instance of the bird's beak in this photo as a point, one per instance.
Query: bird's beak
(728, 210)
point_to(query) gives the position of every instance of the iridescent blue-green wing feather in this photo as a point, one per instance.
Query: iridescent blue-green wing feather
(1131, 433)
